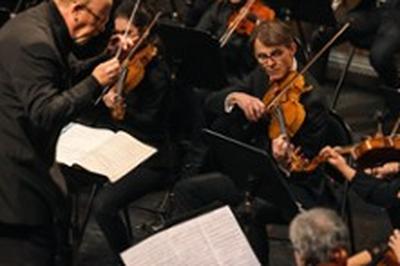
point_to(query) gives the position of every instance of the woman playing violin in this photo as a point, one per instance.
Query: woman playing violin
(243, 116)
(379, 186)
(144, 120)
(143, 103)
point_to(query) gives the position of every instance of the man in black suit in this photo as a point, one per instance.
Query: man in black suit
(242, 113)
(37, 101)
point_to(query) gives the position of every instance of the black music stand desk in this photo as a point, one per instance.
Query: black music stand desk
(195, 53)
(241, 161)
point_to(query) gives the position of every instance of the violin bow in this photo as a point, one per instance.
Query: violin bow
(119, 51)
(309, 64)
(122, 77)
(133, 14)
(235, 23)
(141, 39)
(395, 127)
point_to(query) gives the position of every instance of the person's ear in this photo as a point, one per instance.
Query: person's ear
(293, 48)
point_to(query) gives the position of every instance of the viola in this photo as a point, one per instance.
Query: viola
(246, 19)
(286, 96)
(257, 12)
(371, 152)
(133, 70)
(380, 255)
(135, 73)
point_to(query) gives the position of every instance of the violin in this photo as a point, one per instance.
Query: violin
(380, 255)
(257, 12)
(292, 110)
(373, 151)
(246, 19)
(135, 73)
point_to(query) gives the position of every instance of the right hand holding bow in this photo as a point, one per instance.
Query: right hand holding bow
(107, 73)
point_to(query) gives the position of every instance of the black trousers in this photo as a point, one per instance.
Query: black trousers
(202, 190)
(22, 245)
(115, 196)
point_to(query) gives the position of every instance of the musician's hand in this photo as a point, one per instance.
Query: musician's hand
(107, 73)
(338, 161)
(385, 170)
(252, 107)
(110, 97)
(281, 149)
(394, 244)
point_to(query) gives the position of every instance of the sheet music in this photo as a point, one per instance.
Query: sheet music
(101, 151)
(214, 238)
(77, 140)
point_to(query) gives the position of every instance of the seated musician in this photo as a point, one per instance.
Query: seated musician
(274, 49)
(144, 119)
(236, 53)
(379, 186)
(374, 26)
(319, 237)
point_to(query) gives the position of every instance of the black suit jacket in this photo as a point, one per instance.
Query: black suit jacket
(309, 188)
(36, 101)
(312, 134)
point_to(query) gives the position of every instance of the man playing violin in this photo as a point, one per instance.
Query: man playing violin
(243, 116)
(145, 118)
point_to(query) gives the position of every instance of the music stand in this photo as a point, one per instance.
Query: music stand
(241, 161)
(195, 53)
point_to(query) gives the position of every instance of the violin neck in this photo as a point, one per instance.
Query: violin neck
(281, 119)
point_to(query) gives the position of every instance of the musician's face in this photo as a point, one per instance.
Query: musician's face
(118, 39)
(277, 60)
(88, 19)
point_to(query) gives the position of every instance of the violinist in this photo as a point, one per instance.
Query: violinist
(319, 237)
(242, 116)
(236, 53)
(379, 186)
(145, 106)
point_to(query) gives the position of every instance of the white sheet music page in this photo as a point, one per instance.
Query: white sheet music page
(101, 151)
(77, 140)
(214, 238)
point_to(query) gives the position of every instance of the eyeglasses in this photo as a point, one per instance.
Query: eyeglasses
(274, 55)
(96, 17)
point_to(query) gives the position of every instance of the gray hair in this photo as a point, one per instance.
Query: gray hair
(316, 234)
